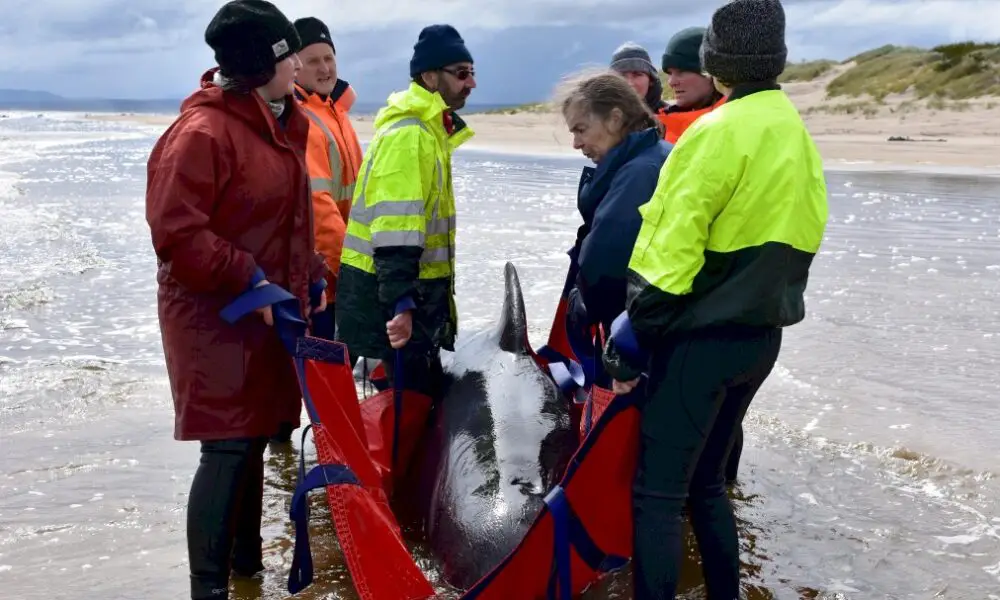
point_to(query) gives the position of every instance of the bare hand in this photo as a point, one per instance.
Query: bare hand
(399, 329)
(322, 303)
(623, 387)
(265, 312)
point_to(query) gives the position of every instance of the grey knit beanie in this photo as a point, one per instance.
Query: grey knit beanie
(633, 57)
(746, 42)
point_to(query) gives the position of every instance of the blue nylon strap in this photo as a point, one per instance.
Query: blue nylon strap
(403, 305)
(300, 372)
(584, 351)
(284, 308)
(567, 372)
(559, 508)
(247, 302)
(587, 549)
(568, 375)
(301, 574)
(569, 532)
(625, 339)
(291, 328)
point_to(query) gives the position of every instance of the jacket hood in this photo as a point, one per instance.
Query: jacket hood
(415, 101)
(248, 107)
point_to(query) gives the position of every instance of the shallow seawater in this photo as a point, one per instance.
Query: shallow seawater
(870, 469)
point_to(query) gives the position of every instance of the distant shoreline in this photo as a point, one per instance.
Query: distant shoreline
(847, 141)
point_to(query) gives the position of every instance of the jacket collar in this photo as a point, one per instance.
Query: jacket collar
(595, 181)
(343, 96)
(250, 108)
(743, 90)
(431, 109)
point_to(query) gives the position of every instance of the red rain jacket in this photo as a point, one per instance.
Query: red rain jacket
(227, 192)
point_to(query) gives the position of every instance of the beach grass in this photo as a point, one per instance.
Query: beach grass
(941, 78)
(953, 71)
(806, 70)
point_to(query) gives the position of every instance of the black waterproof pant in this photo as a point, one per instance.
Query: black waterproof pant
(699, 390)
(224, 515)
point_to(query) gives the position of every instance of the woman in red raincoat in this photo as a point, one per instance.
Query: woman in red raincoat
(228, 206)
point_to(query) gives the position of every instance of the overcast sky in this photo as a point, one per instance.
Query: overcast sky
(156, 48)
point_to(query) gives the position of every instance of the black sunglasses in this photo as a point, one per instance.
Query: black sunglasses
(461, 74)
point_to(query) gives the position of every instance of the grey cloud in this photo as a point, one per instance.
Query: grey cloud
(155, 48)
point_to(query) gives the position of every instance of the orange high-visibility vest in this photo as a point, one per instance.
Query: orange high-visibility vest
(333, 157)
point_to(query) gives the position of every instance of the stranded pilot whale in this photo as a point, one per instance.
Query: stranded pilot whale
(498, 441)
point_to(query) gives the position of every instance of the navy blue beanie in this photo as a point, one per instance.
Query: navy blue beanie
(438, 46)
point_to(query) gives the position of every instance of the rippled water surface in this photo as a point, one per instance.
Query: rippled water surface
(872, 451)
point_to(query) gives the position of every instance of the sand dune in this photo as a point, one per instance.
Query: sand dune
(849, 132)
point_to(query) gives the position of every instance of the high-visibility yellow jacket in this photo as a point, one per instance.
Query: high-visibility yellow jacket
(400, 241)
(333, 156)
(728, 237)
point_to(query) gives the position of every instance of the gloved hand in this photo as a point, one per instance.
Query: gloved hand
(578, 323)
(624, 359)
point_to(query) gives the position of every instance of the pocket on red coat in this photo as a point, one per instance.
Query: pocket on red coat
(220, 368)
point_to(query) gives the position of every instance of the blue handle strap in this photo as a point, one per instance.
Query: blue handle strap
(562, 574)
(626, 341)
(568, 375)
(402, 306)
(291, 327)
(321, 476)
(284, 309)
(585, 351)
(569, 532)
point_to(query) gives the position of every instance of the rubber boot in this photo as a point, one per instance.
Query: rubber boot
(217, 496)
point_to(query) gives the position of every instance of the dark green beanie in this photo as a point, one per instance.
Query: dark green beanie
(683, 50)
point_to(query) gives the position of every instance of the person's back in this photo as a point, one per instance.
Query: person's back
(765, 176)
(718, 270)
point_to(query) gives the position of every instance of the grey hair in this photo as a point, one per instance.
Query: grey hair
(601, 91)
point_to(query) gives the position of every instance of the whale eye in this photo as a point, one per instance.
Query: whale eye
(527, 486)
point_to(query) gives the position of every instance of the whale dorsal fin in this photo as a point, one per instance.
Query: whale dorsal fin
(512, 331)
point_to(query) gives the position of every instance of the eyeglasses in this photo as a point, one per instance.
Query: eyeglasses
(461, 74)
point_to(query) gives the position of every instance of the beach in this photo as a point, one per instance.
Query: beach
(870, 464)
(850, 132)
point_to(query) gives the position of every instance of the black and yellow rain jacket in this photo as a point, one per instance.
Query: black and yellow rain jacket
(728, 237)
